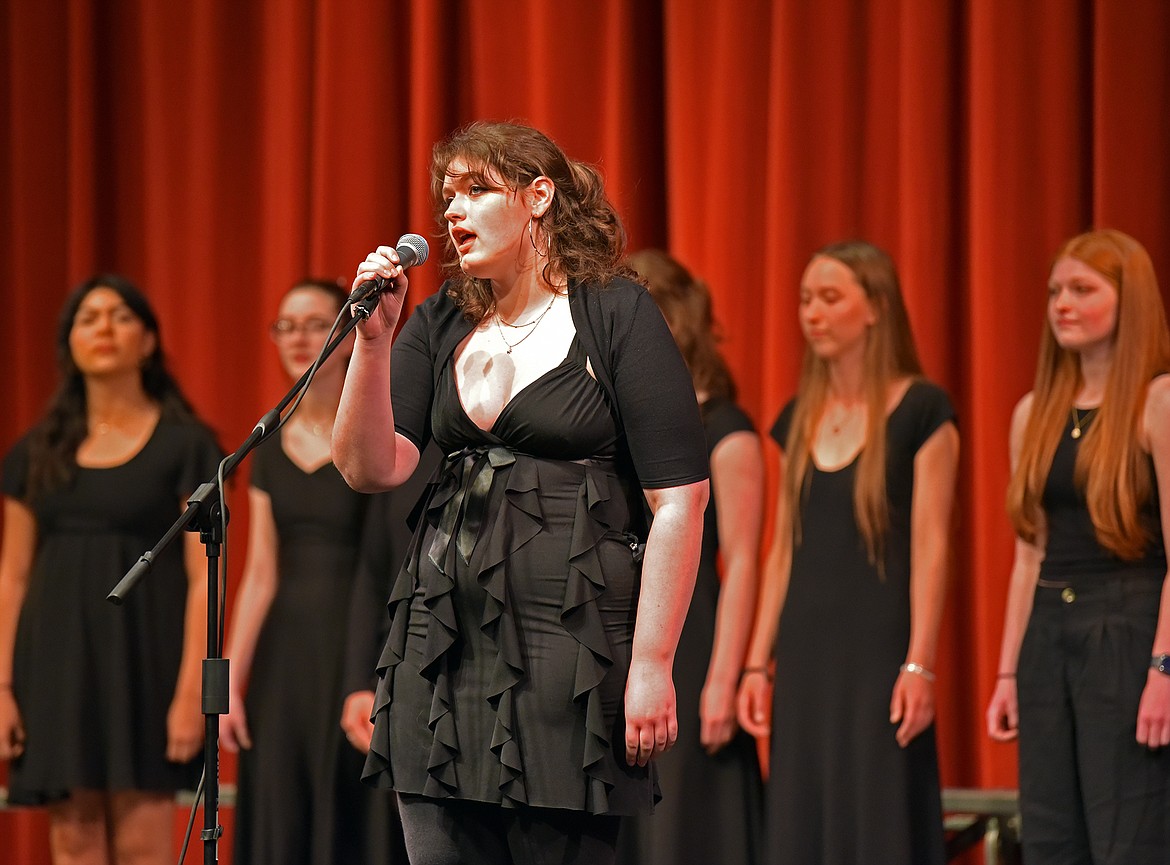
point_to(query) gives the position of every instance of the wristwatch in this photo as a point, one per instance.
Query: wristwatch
(1161, 663)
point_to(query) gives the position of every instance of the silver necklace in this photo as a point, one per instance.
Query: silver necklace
(534, 321)
(532, 324)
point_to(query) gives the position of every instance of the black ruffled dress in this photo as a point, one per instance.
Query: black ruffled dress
(504, 674)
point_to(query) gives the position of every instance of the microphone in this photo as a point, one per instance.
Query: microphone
(412, 250)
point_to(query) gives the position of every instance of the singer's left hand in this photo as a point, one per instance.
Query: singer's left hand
(383, 262)
(651, 719)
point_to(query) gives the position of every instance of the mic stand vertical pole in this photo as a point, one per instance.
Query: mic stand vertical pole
(215, 669)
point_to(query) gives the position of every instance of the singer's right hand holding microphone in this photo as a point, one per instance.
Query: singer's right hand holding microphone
(365, 412)
(382, 262)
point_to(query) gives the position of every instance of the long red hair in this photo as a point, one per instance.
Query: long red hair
(1111, 466)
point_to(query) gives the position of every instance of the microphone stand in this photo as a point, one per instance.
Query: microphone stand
(207, 515)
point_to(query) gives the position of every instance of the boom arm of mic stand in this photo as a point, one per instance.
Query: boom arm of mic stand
(202, 497)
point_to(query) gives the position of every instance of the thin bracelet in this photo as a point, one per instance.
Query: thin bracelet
(764, 671)
(917, 669)
(1005, 675)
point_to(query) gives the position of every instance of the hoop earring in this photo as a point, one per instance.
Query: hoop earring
(532, 239)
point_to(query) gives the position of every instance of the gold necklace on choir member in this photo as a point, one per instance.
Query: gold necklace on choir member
(841, 417)
(1081, 421)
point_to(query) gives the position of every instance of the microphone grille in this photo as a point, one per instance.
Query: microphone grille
(416, 243)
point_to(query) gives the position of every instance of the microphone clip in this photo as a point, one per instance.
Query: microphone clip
(369, 288)
(366, 305)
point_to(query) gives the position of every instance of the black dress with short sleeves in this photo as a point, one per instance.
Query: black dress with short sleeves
(503, 678)
(712, 807)
(94, 681)
(841, 790)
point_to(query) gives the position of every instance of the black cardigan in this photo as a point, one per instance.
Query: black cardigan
(632, 354)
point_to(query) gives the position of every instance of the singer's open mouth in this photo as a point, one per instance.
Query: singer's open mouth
(462, 238)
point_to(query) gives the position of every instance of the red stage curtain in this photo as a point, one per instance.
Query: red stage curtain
(217, 151)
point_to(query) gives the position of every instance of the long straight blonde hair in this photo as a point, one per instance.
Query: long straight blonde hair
(889, 355)
(1111, 468)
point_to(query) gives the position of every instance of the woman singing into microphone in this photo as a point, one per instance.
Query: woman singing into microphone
(526, 683)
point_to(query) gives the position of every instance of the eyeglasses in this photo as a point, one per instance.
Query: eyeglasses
(283, 327)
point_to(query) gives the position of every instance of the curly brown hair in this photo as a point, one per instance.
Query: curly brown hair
(583, 231)
(686, 304)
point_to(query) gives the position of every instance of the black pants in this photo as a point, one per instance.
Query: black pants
(1089, 793)
(457, 832)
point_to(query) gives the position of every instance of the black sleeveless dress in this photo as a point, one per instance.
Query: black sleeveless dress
(841, 791)
(503, 677)
(300, 796)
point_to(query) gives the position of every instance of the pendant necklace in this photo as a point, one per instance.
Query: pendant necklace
(1081, 421)
(318, 429)
(103, 427)
(841, 416)
(532, 324)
